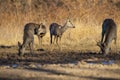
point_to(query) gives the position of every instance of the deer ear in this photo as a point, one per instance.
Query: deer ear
(19, 44)
(68, 20)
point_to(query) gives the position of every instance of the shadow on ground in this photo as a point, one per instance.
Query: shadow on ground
(54, 57)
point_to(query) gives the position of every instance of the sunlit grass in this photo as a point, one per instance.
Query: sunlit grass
(79, 38)
(87, 19)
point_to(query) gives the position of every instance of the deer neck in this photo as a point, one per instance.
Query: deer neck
(64, 28)
(108, 40)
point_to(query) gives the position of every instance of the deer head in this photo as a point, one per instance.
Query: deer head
(69, 24)
(40, 29)
(20, 49)
(104, 48)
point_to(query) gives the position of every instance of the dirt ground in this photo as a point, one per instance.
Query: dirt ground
(58, 65)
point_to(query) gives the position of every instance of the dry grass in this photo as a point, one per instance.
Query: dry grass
(87, 19)
(79, 38)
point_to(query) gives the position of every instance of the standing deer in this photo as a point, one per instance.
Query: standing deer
(57, 30)
(109, 33)
(28, 38)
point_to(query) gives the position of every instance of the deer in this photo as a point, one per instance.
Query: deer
(57, 31)
(30, 30)
(109, 33)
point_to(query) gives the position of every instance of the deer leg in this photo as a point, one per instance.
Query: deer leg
(115, 42)
(57, 42)
(39, 41)
(50, 38)
(60, 42)
(51, 48)
(101, 41)
(54, 39)
(25, 43)
(41, 45)
(102, 37)
(31, 47)
(110, 50)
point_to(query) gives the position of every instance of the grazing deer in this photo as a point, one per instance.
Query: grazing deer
(57, 30)
(41, 33)
(109, 33)
(28, 38)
